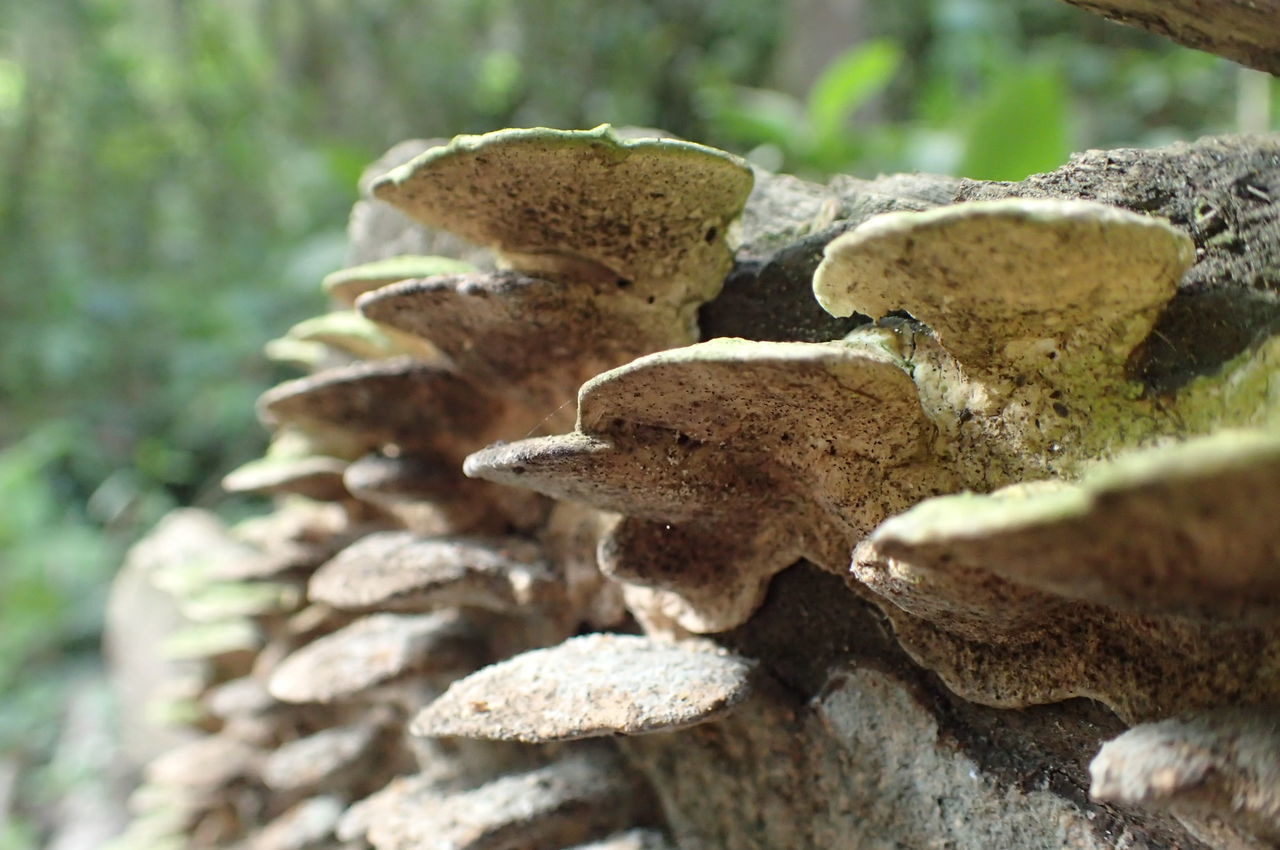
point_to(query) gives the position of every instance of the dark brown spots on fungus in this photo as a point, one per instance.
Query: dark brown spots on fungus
(784, 497)
(639, 208)
(535, 340)
(1157, 556)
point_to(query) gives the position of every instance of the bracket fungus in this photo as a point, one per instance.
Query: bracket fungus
(321, 760)
(382, 406)
(374, 650)
(1150, 585)
(316, 477)
(647, 216)
(1003, 283)
(536, 339)
(386, 402)
(1028, 324)
(205, 764)
(731, 460)
(583, 795)
(400, 571)
(589, 686)
(346, 285)
(1213, 770)
(428, 495)
(350, 335)
(889, 526)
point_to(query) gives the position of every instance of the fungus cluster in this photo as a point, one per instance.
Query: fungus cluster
(465, 578)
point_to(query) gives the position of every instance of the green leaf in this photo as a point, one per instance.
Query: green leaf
(761, 116)
(853, 78)
(1019, 127)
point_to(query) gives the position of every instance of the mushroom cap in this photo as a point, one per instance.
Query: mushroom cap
(397, 570)
(647, 214)
(591, 686)
(311, 762)
(304, 355)
(430, 496)
(403, 402)
(351, 333)
(994, 278)
(742, 456)
(346, 285)
(243, 697)
(584, 795)
(1169, 530)
(1222, 765)
(316, 477)
(373, 650)
(665, 437)
(402, 478)
(303, 826)
(536, 338)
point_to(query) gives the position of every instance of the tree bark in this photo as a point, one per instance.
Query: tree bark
(1246, 31)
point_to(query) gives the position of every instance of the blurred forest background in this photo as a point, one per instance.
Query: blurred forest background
(175, 178)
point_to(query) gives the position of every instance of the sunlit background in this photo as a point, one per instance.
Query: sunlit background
(175, 178)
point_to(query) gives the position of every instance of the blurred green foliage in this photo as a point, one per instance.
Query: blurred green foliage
(175, 176)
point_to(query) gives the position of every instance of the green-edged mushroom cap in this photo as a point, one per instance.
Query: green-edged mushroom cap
(1003, 281)
(345, 285)
(538, 340)
(1150, 586)
(351, 333)
(731, 460)
(647, 216)
(403, 402)
(1221, 767)
(373, 650)
(1171, 530)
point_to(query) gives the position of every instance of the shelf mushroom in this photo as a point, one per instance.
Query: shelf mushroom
(590, 686)
(374, 650)
(1032, 308)
(587, 793)
(1213, 770)
(647, 217)
(536, 340)
(346, 285)
(731, 460)
(1151, 585)
(400, 571)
